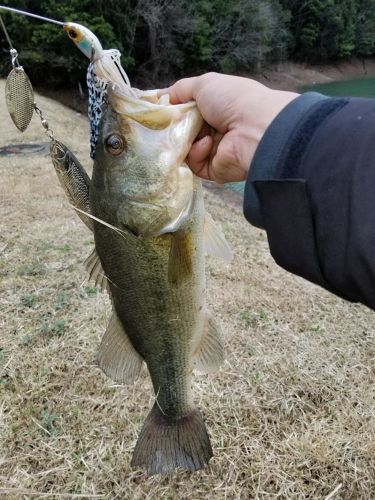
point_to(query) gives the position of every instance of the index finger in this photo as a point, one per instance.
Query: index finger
(182, 91)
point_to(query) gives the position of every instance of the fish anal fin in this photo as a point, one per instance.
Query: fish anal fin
(165, 444)
(214, 240)
(209, 354)
(95, 270)
(117, 357)
(180, 264)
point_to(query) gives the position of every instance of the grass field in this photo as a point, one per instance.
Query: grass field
(291, 413)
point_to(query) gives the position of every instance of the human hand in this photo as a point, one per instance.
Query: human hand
(237, 112)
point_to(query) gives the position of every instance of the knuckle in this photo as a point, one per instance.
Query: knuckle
(208, 77)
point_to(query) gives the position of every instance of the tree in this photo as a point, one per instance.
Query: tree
(162, 40)
(322, 29)
(240, 35)
(44, 49)
(365, 28)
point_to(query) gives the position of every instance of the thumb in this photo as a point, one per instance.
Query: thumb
(198, 156)
(182, 91)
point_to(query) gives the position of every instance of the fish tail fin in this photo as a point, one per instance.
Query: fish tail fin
(166, 444)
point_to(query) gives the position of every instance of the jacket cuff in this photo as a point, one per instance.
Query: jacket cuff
(271, 147)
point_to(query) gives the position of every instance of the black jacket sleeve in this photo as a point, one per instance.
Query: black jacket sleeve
(311, 186)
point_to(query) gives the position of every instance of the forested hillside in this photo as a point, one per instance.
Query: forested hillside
(161, 40)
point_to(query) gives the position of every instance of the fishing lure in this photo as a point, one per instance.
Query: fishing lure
(19, 93)
(21, 105)
(105, 66)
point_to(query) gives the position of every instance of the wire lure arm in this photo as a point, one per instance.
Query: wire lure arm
(36, 16)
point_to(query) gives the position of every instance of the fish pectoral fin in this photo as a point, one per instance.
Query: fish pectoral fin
(117, 357)
(209, 354)
(214, 240)
(95, 270)
(180, 263)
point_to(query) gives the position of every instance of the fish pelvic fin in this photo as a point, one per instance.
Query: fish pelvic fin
(209, 355)
(117, 357)
(165, 444)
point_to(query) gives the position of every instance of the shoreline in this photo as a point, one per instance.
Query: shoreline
(292, 76)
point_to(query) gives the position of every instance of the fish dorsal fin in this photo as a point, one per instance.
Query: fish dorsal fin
(180, 264)
(214, 240)
(117, 357)
(95, 270)
(209, 354)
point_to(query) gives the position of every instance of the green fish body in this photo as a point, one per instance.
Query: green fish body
(150, 232)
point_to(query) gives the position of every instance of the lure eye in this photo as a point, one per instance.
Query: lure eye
(115, 144)
(73, 34)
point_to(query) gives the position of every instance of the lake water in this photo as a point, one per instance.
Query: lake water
(364, 87)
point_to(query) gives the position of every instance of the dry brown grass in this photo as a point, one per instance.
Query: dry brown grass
(291, 413)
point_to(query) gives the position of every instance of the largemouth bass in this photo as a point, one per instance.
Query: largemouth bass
(151, 234)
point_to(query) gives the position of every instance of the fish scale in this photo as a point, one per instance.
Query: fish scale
(149, 311)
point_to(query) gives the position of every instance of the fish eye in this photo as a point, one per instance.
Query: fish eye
(73, 34)
(115, 144)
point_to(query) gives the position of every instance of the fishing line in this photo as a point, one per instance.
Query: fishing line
(126, 80)
(36, 16)
(120, 232)
(13, 52)
(6, 33)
